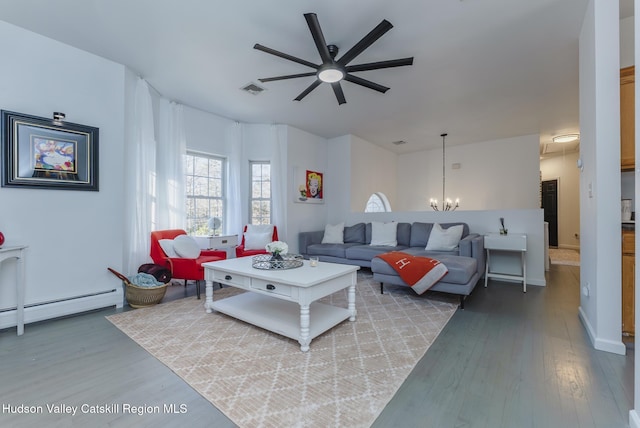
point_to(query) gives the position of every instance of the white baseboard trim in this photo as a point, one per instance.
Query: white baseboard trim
(615, 347)
(587, 325)
(62, 308)
(634, 419)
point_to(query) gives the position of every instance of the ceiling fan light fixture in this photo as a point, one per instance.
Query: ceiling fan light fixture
(334, 71)
(330, 75)
(566, 138)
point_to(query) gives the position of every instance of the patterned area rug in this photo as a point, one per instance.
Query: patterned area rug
(564, 256)
(261, 379)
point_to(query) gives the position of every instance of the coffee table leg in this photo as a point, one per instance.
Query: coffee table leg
(304, 328)
(208, 293)
(352, 302)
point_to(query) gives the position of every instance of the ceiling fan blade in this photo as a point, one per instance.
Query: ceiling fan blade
(337, 89)
(318, 37)
(259, 47)
(380, 64)
(366, 41)
(366, 83)
(308, 90)
(290, 76)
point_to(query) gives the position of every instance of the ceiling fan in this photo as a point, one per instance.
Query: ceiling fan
(333, 71)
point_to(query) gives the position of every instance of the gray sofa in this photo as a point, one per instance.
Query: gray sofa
(465, 264)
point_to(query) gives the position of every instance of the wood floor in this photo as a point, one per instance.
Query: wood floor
(508, 360)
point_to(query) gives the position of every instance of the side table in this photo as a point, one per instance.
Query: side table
(218, 242)
(17, 252)
(511, 242)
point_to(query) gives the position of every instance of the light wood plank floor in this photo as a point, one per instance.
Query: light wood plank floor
(508, 360)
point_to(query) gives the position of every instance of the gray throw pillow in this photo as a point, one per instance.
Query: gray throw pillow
(354, 234)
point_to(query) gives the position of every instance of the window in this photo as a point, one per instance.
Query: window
(260, 192)
(205, 184)
(378, 203)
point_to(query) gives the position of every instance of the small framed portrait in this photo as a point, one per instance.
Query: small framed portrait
(314, 185)
(308, 186)
(46, 153)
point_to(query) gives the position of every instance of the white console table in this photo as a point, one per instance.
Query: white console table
(511, 242)
(17, 252)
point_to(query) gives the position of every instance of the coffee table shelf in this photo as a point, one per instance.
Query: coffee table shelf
(280, 316)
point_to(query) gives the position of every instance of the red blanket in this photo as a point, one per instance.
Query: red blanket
(419, 272)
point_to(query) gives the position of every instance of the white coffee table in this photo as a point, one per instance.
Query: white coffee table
(283, 301)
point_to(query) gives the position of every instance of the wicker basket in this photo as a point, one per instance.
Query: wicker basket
(140, 297)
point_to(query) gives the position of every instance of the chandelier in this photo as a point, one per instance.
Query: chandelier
(447, 204)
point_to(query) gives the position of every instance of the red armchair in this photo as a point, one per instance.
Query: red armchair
(182, 268)
(241, 251)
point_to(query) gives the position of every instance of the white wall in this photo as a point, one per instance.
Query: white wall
(500, 174)
(563, 168)
(600, 275)
(339, 185)
(73, 236)
(373, 169)
(206, 132)
(626, 42)
(306, 151)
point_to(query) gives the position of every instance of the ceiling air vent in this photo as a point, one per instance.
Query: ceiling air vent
(252, 88)
(399, 142)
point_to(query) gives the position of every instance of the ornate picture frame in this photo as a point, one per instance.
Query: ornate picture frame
(48, 154)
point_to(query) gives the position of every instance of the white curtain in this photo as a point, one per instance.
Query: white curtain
(140, 163)
(279, 180)
(170, 209)
(236, 210)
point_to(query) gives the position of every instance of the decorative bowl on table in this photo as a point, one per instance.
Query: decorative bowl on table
(271, 262)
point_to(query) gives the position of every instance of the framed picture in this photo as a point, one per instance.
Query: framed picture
(48, 154)
(308, 186)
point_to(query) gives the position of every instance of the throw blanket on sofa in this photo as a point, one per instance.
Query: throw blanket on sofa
(419, 272)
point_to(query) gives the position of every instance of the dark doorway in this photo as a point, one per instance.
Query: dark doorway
(550, 207)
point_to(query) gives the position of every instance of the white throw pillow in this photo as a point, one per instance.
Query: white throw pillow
(333, 234)
(167, 247)
(384, 234)
(257, 241)
(186, 247)
(260, 228)
(444, 239)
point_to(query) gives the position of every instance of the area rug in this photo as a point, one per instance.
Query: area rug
(564, 256)
(261, 379)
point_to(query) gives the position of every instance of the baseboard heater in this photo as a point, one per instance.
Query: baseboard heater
(58, 308)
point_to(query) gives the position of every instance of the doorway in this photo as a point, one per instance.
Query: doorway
(550, 207)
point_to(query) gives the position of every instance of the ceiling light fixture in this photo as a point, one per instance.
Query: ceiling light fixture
(566, 138)
(330, 74)
(447, 204)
